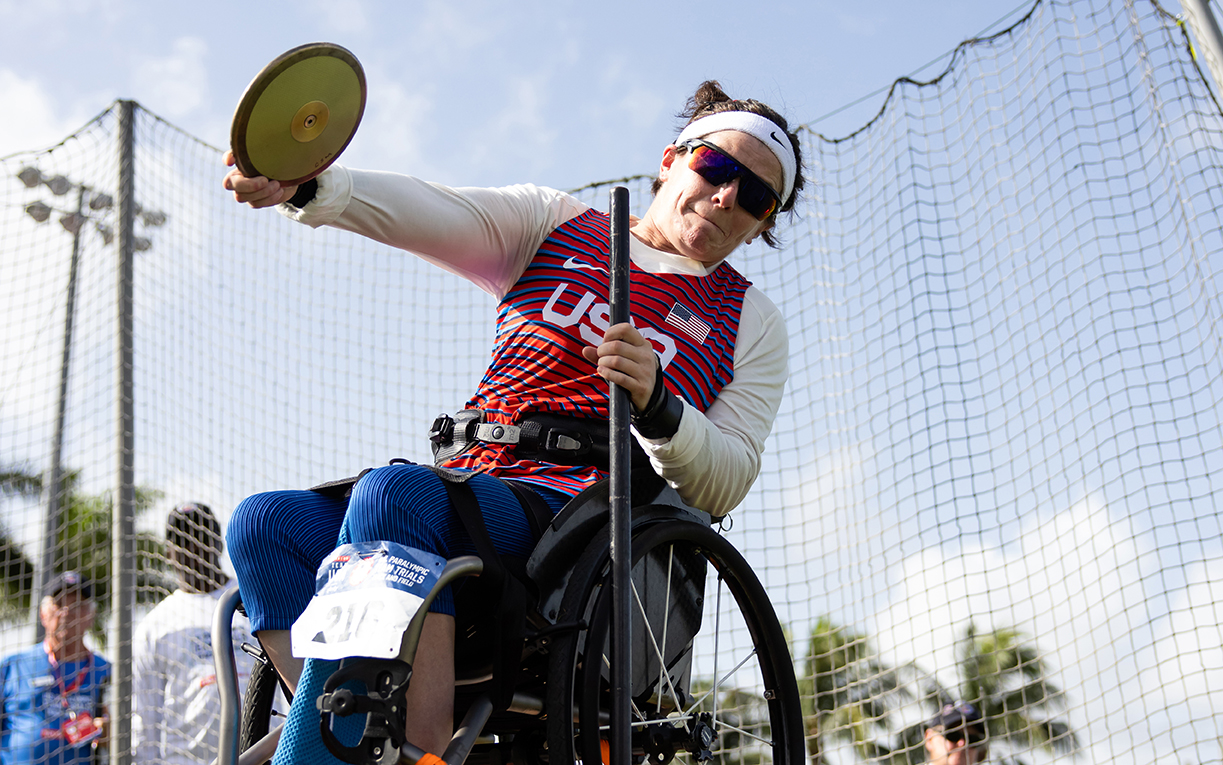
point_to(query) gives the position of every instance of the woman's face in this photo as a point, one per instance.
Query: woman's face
(698, 220)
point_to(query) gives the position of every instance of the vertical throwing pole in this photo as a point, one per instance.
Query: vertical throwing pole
(620, 737)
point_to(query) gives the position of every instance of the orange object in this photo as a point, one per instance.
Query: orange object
(605, 750)
(430, 759)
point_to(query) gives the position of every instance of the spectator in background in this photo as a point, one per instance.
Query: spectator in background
(51, 709)
(177, 707)
(956, 736)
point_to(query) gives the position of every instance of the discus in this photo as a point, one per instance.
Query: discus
(299, 113)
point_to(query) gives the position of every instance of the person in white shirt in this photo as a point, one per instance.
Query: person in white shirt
(177, 705)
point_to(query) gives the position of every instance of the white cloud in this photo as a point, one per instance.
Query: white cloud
(174, 85)
(1085, 588)
(38, 126)
(391, 134)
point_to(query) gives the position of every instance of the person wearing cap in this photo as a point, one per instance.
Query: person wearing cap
(956, 736)
(177, 705)
(704, 361)
(51, 710)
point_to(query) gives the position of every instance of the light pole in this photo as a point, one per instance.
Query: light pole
(91, 207)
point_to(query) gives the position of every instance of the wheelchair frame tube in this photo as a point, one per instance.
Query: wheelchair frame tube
(620, 737)
(227, 676)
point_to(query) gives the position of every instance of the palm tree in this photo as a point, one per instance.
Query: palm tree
(83, 543)
(1006, 678)
(852, 696)
(850, 693)
(16, 568)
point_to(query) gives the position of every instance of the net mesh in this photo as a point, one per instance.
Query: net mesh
(996, 472)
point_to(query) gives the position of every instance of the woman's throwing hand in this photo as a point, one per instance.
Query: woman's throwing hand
(256, 192)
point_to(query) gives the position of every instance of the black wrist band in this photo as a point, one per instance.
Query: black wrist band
(661, 416)
(305, 194)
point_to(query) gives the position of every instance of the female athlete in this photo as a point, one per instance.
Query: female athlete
(704, 361)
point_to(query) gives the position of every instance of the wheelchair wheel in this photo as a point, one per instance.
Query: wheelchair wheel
(257, 704)
(712, 676)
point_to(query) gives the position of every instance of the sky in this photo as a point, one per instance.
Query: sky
(557, 93)
(569, 93)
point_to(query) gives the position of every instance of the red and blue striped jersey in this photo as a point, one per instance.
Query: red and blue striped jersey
(559, 306)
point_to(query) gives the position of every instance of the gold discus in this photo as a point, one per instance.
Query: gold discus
(299, 113)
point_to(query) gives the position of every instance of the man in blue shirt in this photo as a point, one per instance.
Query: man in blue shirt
(51, 709)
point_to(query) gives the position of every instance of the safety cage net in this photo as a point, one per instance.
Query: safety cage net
(997, 472)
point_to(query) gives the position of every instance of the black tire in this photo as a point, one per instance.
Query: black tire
(257, 704)
(754, 711)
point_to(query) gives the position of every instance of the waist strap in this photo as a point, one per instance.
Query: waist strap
(551, 438)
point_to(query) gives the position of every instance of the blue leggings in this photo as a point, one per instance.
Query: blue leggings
(278, 540)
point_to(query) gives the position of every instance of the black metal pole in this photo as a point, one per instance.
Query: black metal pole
(123, 565)
(620, 738)
(53, 486)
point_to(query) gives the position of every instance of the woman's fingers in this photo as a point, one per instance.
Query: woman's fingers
(258, 191)
(628, 360)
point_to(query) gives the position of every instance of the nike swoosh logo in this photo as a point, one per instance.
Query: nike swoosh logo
(573, 263)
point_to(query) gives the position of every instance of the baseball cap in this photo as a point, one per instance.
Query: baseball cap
(958, 715)
(69, 581)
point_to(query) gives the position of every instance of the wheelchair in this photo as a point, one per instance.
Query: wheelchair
(712, 676)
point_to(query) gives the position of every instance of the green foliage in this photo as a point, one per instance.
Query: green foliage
(1006, 678)
(850, 695)
(16, 568)
(83, 543)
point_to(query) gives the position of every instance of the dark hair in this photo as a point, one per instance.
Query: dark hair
(709, 99)
(193, 526)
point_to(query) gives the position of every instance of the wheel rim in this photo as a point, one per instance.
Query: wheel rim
(741, 684)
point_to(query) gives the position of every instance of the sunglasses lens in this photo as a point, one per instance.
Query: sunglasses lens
(714, 167)
(719, 169)
(756, 199)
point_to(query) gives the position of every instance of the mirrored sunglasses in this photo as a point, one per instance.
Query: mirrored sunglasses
(719, 168)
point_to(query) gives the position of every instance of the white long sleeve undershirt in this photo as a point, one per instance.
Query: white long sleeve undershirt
(488, 236)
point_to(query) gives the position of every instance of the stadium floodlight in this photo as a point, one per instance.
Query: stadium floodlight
(39, 211)
(152, 218)
(59, 185)
(72, 222)
(30, 176)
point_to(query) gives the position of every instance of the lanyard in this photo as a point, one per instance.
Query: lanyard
(64, 689)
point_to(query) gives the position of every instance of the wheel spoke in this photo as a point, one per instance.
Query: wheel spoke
(742, 732)
(663, 674)
(718, 684)
(722, 651)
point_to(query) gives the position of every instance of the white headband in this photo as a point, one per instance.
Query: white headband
(760, 128)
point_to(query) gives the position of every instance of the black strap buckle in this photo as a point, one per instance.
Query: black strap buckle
(442, 430)
(569, 442)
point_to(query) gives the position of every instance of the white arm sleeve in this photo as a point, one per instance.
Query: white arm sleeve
(487, 236)
(714, 458)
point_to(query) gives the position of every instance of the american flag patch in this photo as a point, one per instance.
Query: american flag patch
(681, 316)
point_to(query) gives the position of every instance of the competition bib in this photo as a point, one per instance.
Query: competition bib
(365, 596)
